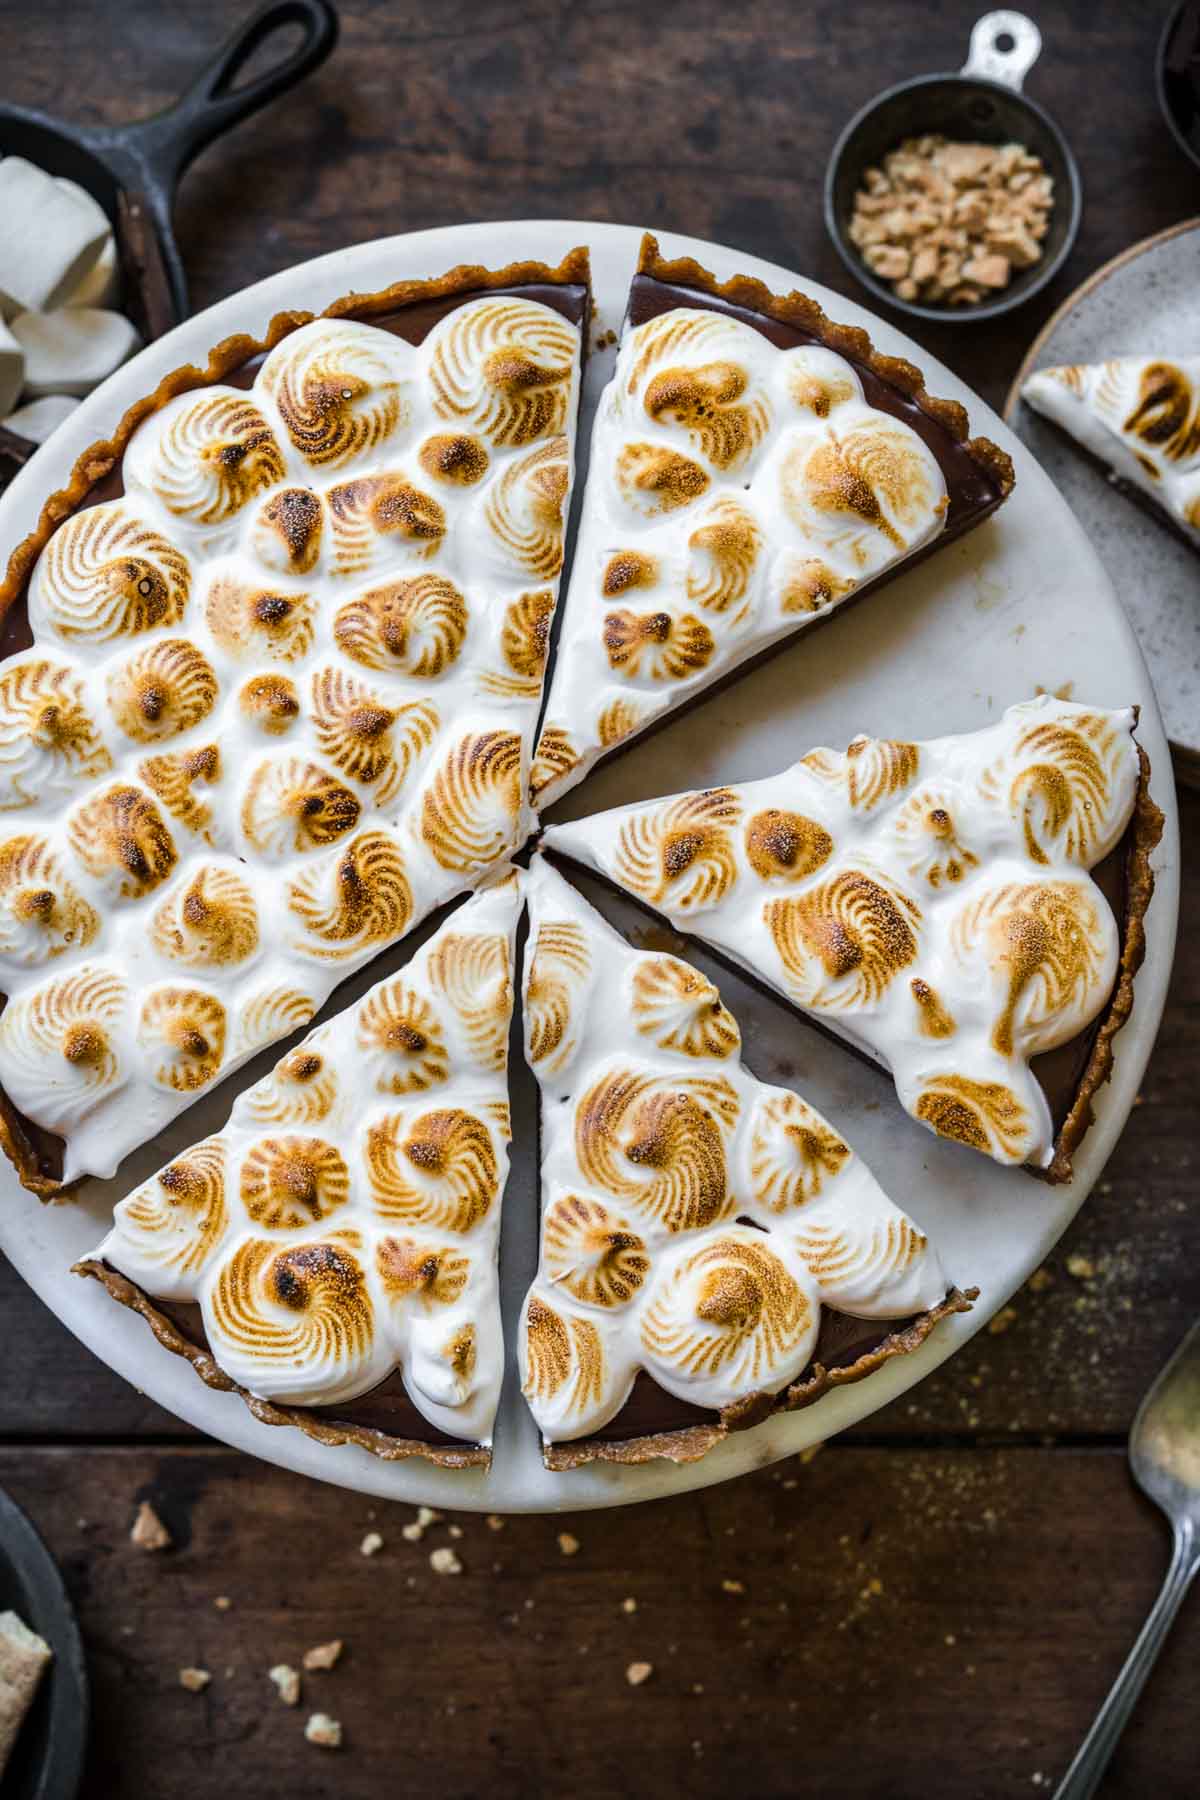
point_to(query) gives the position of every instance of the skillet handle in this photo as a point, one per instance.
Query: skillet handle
(174, 138)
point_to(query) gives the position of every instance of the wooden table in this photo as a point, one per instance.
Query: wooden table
(939, 1600)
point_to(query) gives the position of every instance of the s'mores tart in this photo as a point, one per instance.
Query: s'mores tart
(330, 1255)
(274, 664)
(754, 467)
(967, 912)
(1140, 417)
(711, 1250)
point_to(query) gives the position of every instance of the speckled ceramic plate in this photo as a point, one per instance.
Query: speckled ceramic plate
(1143, 302)
(1023, 601)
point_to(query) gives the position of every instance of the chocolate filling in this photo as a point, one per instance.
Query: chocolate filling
(412, 322)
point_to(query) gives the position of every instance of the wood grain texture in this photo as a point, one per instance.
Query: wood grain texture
(939, 1601)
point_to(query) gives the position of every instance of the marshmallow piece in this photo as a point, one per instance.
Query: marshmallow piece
(41, 417)
(72, 351)
(12, 369)
(101, 285)
(50, 238)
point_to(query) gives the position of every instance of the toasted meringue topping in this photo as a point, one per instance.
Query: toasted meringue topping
(162, 691)
(693, 1218)
(211, 921)
(556, 980)
(415, 1269)
(504, 368)
(652, 479)
(341, 388)
(292, 805)
(722, 556)
(358, 901)
(401, 1038)
(60, 1043)
(1141, 415)
(472, 975)
(289, 1182)
(166, 1230)
(249, 620)
(415, 627)
(182, 1032)
(42, 912)
(205, 455)
(300, 1090)
(232, 700)
(656, 645)
(107, 574)
(679, 1010)
(49, 744)
(439, 1169)
(930, 901)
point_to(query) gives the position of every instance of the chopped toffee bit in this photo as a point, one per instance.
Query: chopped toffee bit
(323, 1656)
(949, 223)
(637, 1672)
(443, 1561)
(323, 1730)
(194, 1680)
(287, 1680)
(149, 1532)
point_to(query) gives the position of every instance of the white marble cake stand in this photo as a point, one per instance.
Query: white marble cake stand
(1022, 602)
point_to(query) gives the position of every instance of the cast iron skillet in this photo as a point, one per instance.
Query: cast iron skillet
(47, 1759)
(133, 170)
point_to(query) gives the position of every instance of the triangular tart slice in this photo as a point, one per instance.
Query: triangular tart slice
(754, 467)
(967, 912)
(712, 1251)
(330, 1255)
(1139, 416)
(289, 628)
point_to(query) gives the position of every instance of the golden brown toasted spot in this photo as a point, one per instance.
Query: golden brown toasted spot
(628, 569)
(787, 844)
(270, 701)
(454, 457)
(84, 1043)
(933, 1019)
(294, 514)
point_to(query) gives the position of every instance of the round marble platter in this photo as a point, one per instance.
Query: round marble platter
(1022, 603)
(1141, 303)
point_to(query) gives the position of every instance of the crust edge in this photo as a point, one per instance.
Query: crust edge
(801, 311)
(694, 1441)
(377, 1443)
(101, 457)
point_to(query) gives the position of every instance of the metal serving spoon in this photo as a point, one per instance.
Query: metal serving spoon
(1164, 1454)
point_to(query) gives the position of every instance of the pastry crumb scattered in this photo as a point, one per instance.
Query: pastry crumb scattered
(323, 1656)
(807, 1454)
(1080, 1267)
(444, 1561)
(729, 1586)
(149, 1532)
(629, 1605)
(323, 1730)
(222, 1603)
(194, 1680)
(1003, 1321)
(495, 1522)
(287, 1680)
(1040, 1280)
(637, 1672)
(568, 1544)
(372, 1544)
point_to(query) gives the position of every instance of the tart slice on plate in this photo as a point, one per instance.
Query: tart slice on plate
(330, 1255)
(274, 666)
(712, 1252)
(1139, 416)
(967, 912)
(754, 467)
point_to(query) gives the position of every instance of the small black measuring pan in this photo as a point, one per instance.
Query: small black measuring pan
(983, 103)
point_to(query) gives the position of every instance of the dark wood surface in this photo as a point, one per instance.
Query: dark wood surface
(935, 1602)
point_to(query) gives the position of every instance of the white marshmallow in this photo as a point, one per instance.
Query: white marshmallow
(12, 369)
(41, 417)
(50, 238)
(72, 351)
(101, 285)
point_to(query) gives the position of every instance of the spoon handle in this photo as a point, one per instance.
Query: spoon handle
(1083, 1777)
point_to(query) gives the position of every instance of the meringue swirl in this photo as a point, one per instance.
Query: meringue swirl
(162, 691)
(107, 574)
(657, 645)
(184, 1029)
(439, 1170)
(168, 1228)
(300, 1090)
(559, 969)
(414, 627)
(472, 805)
(371, 509)
(401, 1040)
(679, 1010)
(369, 741)
(504, 368)
(59, 1046)
(524, 509)
(49, 743)
(248, 620)
(120, 837)
(793, 1153)
(470, 972)
(591, 1253)
(206, 455)
(42, 912)
(360, 899)
(172, 777)
(292, 805)
(211, 922)
(659, 1145)
(340, 389)
(683, 852)
(289, 1182)
(841, 944)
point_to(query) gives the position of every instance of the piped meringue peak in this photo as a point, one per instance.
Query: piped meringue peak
(694, 1219)
(1140, 415)
(929, 902)
(345, 1222)
(281, 699)
(738, 492)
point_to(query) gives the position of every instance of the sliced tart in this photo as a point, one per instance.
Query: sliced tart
(967, 912)
(330, 1255)
(273, 667)
(1138, 416)
(712, 1252)
(754, 467)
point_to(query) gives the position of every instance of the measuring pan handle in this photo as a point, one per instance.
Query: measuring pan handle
(1009, 65)
(171, 139)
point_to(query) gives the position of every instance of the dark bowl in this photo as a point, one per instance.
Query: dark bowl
(1180, 107)
(47, 1759)
(969, 109)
